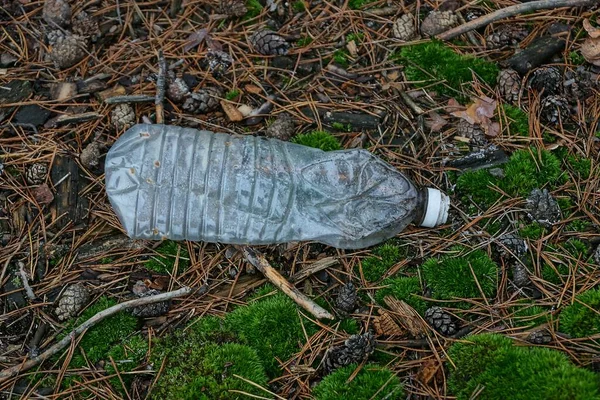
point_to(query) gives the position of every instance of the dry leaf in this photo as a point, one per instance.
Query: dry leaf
(428, 371)
(252, 89)
(43, 194)
(436, 122)
(478, 113)
(590, 49)
(232, 112)
(593, 32)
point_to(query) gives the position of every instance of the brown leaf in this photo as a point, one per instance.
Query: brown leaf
(252, 89)
(198, 37)
(436, 122)
(478, 112)
(491, 129)
(43, 194)
(232, 112)
(428, 371)
(592, 31)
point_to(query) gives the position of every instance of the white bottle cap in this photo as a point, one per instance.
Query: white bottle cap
(436, 212)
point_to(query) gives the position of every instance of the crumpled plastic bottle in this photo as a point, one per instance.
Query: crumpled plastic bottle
(169, 182)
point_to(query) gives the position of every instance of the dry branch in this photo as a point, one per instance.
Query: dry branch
(52, 350)
(511, 12)
(260, 262)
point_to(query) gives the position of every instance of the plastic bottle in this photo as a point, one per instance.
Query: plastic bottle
(180, 183)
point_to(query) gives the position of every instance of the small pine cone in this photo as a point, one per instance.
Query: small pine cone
(232, 8)
(546, 80)
(268, 43)
(579, 84)
(441, 321)
(506, 35)
(218, 62)
(471, 131)
(123, 116)
(66, 49)
(511, 245)
(347, 298)
(437, 22)
(150, 310)
(282, 128)
(520, 275)
(355, 349)
(597, 255)
(73, 299)
(56, 12)
(177, 90)
(542, 336)
(554, 110)
(36, 174)
(86, 26)
(202, 100)
(404, 27)
(542, 208)
(509, 85)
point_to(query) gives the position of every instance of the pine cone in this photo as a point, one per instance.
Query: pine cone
(56, 12)
(441, 321)
(177, 90)
(66, 49)
(546, 80)
(202, 100)
(232, 8)
(542, 208)
(36, 174)
(268, 42)
(520, 275)
(506, 35)
(404, 27)
(437, 22)
(509, 85)
(73, 299)
(123, 116)
(86, 26)
(511, 245)
(347, 298)
(542, 336)
(282, 128)
(554, 110)
(597, 255)
(218, 62)
(579, 84)
(150, 310)
(472, 131)
(355, 349)
(90, 156)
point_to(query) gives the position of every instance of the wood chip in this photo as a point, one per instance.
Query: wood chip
(232, 112)
(253, 89)
(406, 316)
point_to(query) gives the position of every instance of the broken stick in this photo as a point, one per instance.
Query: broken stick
(52, 350)
(161, 82)
(260, 262)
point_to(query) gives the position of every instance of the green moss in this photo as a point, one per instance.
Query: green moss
(318, 139)
(341, 127)
(298, 6)
(350, 326)
(576, 58)
(529, 316)
(533, 231)
(254, 9)
(272, 326)
(357, 4)
(99, 339)
(403, 288)
(433, 61)
(461, 275)
(164, 261)
(232, 94)
(477, 186)
(340, 57)
(356, 37)
(383, 258)
(582, 319)
(198, 371)
(576, 248)
(372, 382)
(579, 225)
(127, 356)
(492, 366)
(304, 41)
(518, 121)
(531, 168)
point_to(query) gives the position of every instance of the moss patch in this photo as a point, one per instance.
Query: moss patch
(433, 61)
(372, 382)
(518, 121)
(581, 319)
(403, 288)
(318, 139)
(461, 275)
(383, 258)
(503, 371)
(127, 356)
(164, 261)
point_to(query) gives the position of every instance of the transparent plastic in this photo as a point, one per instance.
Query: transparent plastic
(180, 183)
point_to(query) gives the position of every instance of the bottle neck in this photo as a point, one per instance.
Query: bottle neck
(421, 208)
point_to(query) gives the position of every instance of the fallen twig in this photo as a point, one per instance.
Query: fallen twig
(139, 98)
(160, 88)
(260, 262)
(314, 268)
(511, 12)
(13, 371)
(25, 281)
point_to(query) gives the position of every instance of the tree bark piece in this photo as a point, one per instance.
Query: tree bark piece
(55, 348)
(537, 53)
(511, 12)
(68, 205)
(260, 262)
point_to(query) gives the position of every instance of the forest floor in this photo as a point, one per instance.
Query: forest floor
(500, 302)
